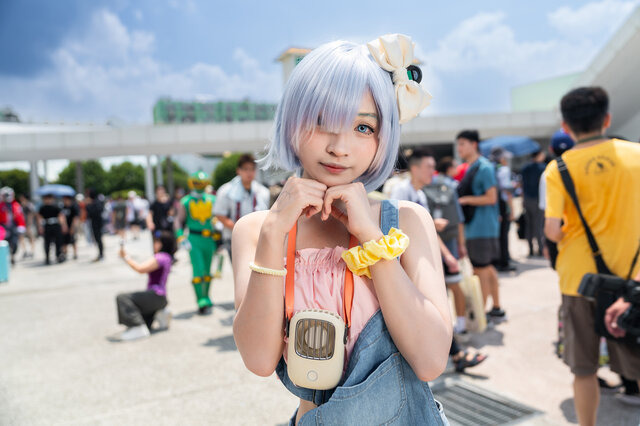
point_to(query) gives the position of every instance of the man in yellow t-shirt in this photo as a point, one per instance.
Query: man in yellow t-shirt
(606, 175)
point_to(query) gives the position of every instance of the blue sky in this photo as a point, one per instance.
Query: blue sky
(74, 60)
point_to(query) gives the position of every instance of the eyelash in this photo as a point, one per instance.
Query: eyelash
(370, 129)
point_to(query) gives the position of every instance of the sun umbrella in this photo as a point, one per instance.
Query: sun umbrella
(517, 145)
(56, 190)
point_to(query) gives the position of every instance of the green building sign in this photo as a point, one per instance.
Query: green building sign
(167, 111)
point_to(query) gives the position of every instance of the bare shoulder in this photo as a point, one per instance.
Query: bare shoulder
(413, 216)
(249, 226)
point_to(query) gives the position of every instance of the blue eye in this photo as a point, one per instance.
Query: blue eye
(363, 128)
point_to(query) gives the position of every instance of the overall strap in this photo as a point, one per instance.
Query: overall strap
(347, 300)
(569, 186)
(389, 216)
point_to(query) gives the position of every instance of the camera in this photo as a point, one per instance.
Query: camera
(608, 288)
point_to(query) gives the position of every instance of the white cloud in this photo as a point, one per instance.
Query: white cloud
(110, 70)
(485, 47)
(592, 19)
(486, 42)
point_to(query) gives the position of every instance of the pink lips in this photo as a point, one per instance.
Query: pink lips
(333, 168)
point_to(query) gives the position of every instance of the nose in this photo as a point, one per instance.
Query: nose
(338, 145)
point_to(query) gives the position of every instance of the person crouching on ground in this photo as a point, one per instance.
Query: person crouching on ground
(138, 310)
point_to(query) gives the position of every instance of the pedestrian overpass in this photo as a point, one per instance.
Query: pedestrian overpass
(33, 143)
(616, 68)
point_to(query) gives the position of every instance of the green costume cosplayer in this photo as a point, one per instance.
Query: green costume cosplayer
(202, 240)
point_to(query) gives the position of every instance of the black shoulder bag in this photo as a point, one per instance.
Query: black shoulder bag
(465, 187)
(604, 299)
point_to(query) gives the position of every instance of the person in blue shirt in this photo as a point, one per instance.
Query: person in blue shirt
(478, 196)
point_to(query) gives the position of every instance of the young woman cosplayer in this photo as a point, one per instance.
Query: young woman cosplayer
(363, 278)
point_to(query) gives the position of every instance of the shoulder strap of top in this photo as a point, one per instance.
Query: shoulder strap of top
(389, 215)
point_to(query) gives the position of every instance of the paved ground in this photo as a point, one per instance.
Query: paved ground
(58, 365)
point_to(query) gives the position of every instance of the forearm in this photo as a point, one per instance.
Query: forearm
(258, 325)
(228, 223)
(132, 263)
(461, 240)
(480, 200)
(63, 223)
(444, 250)
(421, 332)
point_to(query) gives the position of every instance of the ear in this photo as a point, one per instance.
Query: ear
(607, 121)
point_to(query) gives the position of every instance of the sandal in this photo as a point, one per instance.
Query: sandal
(463, 362)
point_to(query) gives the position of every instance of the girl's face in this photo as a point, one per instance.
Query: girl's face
(340, 158)
(157, 245)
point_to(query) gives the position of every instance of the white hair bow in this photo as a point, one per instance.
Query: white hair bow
(394, 53)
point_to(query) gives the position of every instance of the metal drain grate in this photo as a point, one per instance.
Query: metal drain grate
(468, 405)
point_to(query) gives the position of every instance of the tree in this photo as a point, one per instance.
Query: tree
(226, 170)
(180, 176)
(125, 176)
(16, 179)
(94, 175)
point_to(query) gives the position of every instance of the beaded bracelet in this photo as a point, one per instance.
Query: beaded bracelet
(358, 259)
(267, 271)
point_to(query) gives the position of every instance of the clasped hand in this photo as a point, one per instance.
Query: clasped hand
(612, 314)
(309, 197)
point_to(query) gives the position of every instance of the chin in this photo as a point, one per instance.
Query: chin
(334, 180)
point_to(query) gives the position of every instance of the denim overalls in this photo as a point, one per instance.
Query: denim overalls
(379, 386)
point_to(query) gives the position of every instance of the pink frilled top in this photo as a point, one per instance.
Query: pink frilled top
(319, 284)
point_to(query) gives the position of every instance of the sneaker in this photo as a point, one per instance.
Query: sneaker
(606, 387)
(205, 310)
(135, 333)
(163, 318)
(496, 314)
(633, 399)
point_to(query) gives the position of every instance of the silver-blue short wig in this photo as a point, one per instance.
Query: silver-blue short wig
(330, 83)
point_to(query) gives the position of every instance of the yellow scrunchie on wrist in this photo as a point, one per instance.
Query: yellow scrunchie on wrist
(358, 259)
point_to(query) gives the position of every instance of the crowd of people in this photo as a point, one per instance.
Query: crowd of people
(579, 211)
(199, 221)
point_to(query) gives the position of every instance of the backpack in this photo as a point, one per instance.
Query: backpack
(442, 201)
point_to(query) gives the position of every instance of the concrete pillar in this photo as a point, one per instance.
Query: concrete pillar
(79, 177)
(34, 181)
(170, 185)
(46, 172)
(159, 179)
(148, 180)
